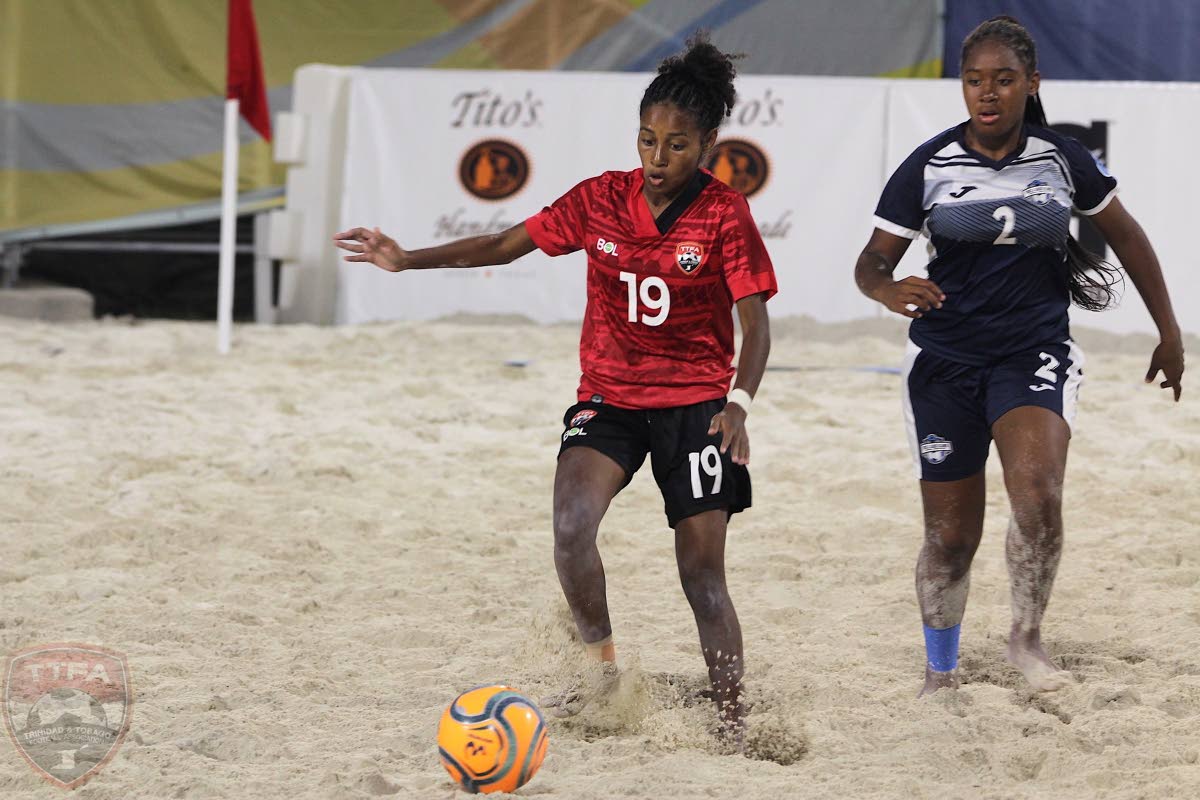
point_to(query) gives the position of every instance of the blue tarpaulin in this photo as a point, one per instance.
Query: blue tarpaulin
(1150, 40)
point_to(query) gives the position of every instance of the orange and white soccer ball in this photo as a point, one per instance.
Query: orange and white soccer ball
(491, 739)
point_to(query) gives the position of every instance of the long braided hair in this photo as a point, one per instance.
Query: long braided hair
(1091, 280)
(698, 81)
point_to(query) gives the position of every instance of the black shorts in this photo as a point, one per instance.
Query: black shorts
(950, 408)
(692, 473)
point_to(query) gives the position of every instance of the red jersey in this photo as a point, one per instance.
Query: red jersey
(658, 329)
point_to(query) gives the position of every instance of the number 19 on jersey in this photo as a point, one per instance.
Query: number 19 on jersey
(659, 302)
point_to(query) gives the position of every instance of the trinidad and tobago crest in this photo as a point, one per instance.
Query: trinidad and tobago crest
(67, 708)
(689, 256)
(582, 417)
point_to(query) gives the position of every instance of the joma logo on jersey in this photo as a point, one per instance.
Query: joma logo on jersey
(607, 247)
(688, 256)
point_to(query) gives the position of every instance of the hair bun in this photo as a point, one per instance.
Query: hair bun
(699, 80)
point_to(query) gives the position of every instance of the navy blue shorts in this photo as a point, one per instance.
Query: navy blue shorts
(692, 473)
(949, 408)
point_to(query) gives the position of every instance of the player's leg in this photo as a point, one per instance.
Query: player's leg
(584, 485)
(601, 448)
(949, 441)
(1032, 443)
(700, 554)
(1033, 395)
(953, 512)
(701, 488)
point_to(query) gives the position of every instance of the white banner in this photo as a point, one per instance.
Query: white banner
(435, 155)
(424, 145)
(823, 140)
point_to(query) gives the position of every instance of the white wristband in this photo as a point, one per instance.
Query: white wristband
(742, 398)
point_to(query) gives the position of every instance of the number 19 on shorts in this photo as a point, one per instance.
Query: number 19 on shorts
(707, 460)
(659, 301)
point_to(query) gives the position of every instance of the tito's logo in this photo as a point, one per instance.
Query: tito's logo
(740, 164)
(494, 169)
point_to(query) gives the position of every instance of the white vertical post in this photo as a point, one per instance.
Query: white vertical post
(229, 186)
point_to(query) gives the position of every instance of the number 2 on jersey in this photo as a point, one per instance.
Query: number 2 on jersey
(660, 303)
(709, 460)
(1009, 217)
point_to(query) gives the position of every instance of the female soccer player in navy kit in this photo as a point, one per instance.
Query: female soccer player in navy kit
(990, 354)
(670, 252)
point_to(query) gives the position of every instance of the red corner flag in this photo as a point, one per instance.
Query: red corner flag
(243, 69)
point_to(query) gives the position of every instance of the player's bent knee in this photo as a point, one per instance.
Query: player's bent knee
(959, 564)
(1036, 495)
(706, 593)
(1036, 483)
(955, 554)
(952, 550)
(574, 529)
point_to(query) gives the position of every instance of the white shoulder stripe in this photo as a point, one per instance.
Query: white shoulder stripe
(1101, 205)
(894, 229)
(951, 150)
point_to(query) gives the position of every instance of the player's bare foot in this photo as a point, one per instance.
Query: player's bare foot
(598, 681)
(732, 735)
(732, 728)
(1026, 654)
(938, 680)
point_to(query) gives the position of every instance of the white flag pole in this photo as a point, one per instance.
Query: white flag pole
(229, 185)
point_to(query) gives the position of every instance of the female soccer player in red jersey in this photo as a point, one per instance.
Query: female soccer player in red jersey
(670, 251)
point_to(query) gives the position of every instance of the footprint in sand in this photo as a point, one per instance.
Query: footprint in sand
(1125, 697)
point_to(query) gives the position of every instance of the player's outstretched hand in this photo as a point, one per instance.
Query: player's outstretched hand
(920, 293)
(372, 246)
(1168, 357)
(730, 422)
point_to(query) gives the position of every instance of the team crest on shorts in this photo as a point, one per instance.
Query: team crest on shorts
(66, 707)
(582, 417)
(688, 256)
(935, 449)
(1039, 192)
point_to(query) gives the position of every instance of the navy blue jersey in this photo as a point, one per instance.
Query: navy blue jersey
(997, 232)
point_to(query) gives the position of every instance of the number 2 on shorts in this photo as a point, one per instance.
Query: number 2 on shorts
(709, 460)
(1046, 373)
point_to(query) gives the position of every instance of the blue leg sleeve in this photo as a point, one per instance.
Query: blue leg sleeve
(941, 648)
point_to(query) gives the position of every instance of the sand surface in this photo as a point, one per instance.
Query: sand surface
(306, 549)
